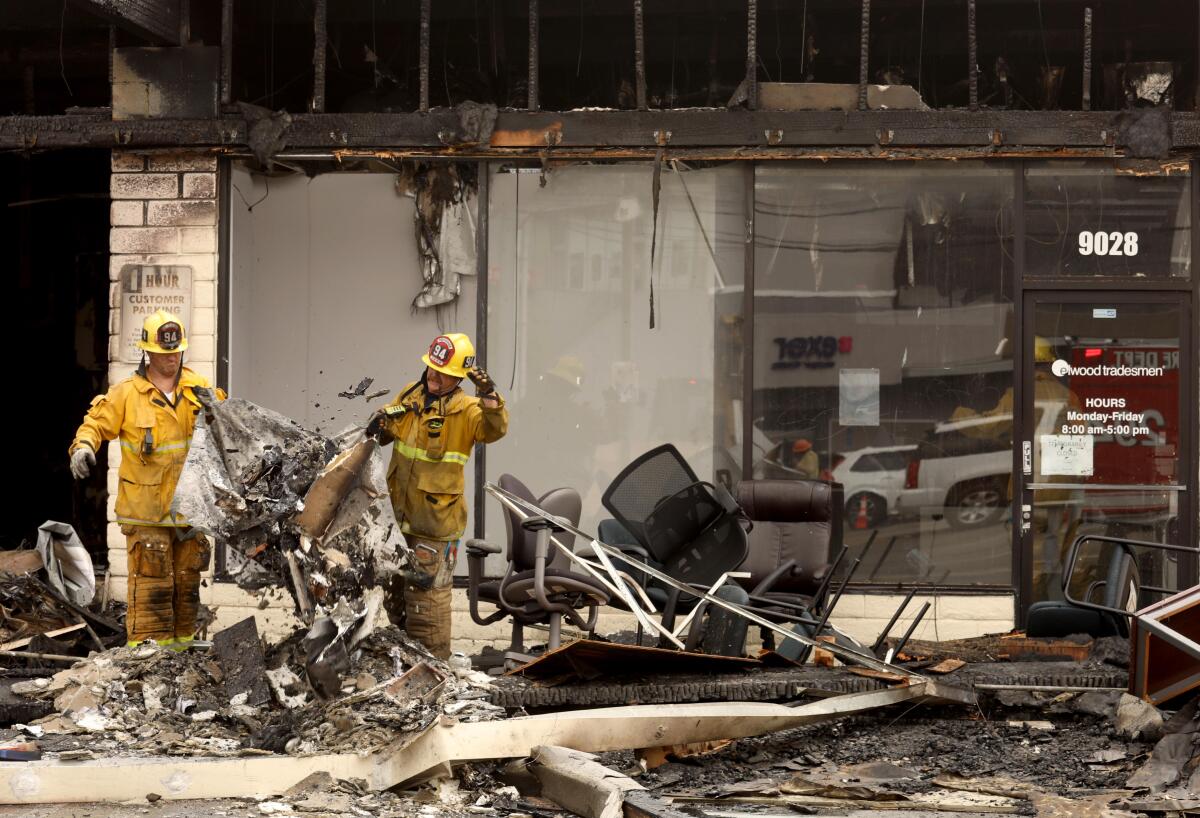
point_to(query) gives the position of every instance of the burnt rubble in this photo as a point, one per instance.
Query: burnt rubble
(147, 700)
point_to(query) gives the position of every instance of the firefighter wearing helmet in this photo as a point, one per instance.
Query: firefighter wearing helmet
(432, 426)
(152, 413)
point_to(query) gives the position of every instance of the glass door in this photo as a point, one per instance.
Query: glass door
(1106, 437)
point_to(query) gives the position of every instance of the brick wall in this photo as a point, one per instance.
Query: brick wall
(164, 211)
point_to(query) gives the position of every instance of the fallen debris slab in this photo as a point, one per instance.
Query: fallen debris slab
(576, 781)
(437, 748)
(240, 655)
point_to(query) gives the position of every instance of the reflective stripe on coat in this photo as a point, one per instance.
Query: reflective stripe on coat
(126, 413)
(430, 451)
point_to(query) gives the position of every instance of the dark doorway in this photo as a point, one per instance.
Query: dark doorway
(54, 258)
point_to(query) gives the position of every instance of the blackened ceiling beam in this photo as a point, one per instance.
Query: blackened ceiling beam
(154, 20)
(458, 132)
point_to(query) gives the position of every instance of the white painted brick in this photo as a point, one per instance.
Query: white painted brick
(199, 186)
(204, 265)
(114, 322)
(126, 213)
(114, 538)
(114, 296)
(198, 239)
(144, 185)
(127, 162)
(114, 347)
(144, 240)
(206, 369)
(975, 607)
(181, 212)
(201, 348)
(204, 322)
(182, 161)
(118, 560)
(204, 294)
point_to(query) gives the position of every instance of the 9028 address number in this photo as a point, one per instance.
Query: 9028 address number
(1102, 243)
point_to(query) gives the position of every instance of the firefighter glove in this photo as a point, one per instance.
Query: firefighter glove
(377, 428)
(484, 385)
(82, 460)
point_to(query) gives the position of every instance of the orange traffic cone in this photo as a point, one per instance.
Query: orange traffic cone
(861, 520)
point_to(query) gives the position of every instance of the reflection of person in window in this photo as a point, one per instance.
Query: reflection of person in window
(1056, 512)
(804, 459)
(568, 428)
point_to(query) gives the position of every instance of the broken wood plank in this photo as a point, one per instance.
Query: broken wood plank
(881, 675)
(636, 726)
(854, 804)
(643, 804)
(577, 782)
(25, 561)
(239, 652)
(20, 643)
(946, 666)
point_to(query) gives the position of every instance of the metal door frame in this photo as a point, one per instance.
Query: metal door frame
(1090, 293)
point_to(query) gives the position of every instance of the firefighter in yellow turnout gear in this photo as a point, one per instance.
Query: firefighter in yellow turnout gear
(432, 426)
(152, 413)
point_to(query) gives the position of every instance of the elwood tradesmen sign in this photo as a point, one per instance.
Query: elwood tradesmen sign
(146, 288)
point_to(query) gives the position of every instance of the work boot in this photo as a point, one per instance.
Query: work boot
(151, 585)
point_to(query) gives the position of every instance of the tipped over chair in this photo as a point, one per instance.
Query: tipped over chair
(686, 528)
(539, 586)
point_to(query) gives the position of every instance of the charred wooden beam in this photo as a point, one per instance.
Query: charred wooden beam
(864, 49)
(226, 52)
(155, 20)
(972, 58)
(748, 131)
(752, 54)
(1087, 59)
(532, 102)
(320, 46)
(639, 53)
(426, 13)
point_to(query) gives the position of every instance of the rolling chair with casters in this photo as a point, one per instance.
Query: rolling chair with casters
(538, 587)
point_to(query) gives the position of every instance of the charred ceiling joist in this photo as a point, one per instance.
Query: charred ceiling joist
(154, 20)
(1146, 133)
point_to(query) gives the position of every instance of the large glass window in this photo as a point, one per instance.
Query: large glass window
(600, 355)
(1090, 219)
(883, 357)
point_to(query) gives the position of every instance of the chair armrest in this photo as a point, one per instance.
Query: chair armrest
(785, 570)
(634, 551)
(478, 548)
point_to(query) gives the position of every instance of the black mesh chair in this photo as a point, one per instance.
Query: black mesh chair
(686, 528)
(538, 586)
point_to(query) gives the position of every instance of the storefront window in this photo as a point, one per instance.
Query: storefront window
(1089, 219)
(590, 382)
(883, 357)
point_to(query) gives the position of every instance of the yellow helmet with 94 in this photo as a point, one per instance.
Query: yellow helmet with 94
(163, 333)
(451, 354)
